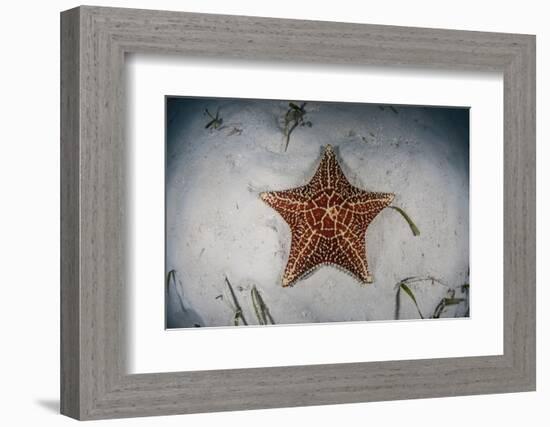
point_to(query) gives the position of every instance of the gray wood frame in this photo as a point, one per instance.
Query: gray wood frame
(94, 41)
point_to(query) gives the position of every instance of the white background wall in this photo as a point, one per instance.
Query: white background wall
(29, 225)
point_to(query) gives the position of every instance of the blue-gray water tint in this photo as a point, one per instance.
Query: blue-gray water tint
(185, 114)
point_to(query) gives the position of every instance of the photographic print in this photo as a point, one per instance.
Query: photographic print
(299, 211)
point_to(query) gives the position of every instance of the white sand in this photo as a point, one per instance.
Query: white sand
(217, 226)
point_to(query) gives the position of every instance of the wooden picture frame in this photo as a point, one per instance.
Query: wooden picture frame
(94, 41)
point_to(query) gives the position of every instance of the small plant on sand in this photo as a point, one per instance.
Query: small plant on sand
(412, 225)
(448, 300)
(294, 117)
(260, 308)
(215, 122)
(237, 309)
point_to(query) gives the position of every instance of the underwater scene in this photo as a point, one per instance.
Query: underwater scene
(292, 211)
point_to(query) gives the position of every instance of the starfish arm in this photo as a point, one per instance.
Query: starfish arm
(311, 250)
(366, 206)
(329, 174)
(287, 203)
(351, 255)
(304, 256)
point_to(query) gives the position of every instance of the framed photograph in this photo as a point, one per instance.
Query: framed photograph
(262, 213)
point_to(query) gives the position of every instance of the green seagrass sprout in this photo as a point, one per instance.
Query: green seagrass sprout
(294, 117)
(216, 121)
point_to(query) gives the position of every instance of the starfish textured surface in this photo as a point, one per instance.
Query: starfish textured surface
(328, 219)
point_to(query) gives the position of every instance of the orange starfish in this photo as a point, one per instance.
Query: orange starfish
(328, 219)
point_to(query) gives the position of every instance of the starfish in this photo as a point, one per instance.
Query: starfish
(328, 219)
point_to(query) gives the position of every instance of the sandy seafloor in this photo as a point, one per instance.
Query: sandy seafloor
(217, 226)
